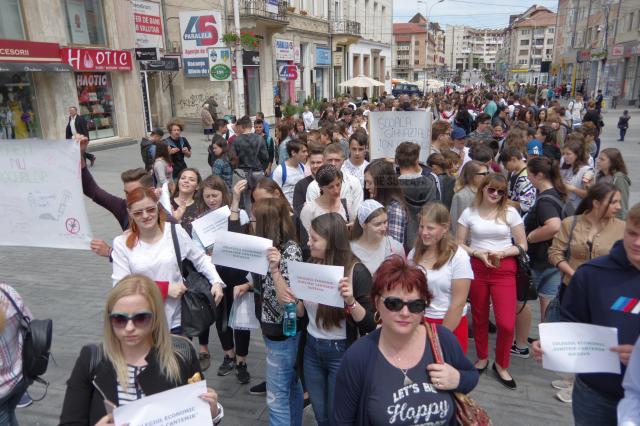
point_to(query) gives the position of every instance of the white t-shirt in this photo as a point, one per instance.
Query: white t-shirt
(355, 171)
(351, 191)
(158, 262)
(439, 282)
(334, 333)
(294, 174)
(489, 234)
(373, 258)
(312, 209)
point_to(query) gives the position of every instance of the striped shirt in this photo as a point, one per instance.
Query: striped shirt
(133, 391)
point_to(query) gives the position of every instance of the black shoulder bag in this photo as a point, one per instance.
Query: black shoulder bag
(198, 306)
(525, 289)
(36, 346)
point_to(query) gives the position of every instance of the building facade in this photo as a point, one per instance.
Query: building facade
(598, 48)
(528, 46)
(418, 49)
(468, 48)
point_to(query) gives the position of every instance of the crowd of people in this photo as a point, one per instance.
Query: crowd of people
(439, 244)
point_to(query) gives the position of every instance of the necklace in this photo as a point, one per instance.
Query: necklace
(407, 380)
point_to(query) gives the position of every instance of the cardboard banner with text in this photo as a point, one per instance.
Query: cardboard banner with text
(388, 129)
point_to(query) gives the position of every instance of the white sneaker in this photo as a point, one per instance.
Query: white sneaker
(561, 384)
(565, 395)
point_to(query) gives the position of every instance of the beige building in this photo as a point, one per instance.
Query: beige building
(417, 52)
(468, 48)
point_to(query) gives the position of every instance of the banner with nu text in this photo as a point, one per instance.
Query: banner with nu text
(42, 203)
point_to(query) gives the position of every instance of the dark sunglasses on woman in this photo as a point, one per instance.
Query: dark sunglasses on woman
(493, 191)
(395, 304)
(139, 319)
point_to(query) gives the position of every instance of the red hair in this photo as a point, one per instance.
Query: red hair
(134, 196)
(395, 272)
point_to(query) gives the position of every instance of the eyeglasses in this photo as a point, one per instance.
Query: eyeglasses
(395, 304)
(140, 319)
(492, 191)
(482, 174)
(149, 210)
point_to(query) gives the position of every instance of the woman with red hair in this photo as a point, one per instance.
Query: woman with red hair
(147, 248)
(408, 386)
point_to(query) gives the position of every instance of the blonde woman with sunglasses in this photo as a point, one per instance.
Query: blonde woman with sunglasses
(138, 357)
(489, 225)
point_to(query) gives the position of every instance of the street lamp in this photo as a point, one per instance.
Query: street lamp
(424, 89)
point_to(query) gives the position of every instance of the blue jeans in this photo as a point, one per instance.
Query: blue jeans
(590, 408)
(546, 281)
(284, 390)
(321, 363)
(9, 402)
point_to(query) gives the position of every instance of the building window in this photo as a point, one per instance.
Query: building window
(549, 51)
(95, 97)
(417, 43)
(11, 20)
(85, 21)
(524, 32)
(549, 41)
(523, 52)
(630, 23)
(536, 61)
(19, 118)
(522, 62)
(416, 62)
(524, 42)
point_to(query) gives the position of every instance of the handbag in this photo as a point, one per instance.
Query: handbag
(198, 306)
(36, 346)
(525, 289)
(468, 412)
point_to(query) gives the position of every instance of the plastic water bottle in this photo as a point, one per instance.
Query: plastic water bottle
(289, 323)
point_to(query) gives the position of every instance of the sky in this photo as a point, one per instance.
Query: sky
(474, 13)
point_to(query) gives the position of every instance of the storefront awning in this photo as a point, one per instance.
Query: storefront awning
(33, 67)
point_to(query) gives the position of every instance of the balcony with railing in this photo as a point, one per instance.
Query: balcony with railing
(263, 11)
(345, 27)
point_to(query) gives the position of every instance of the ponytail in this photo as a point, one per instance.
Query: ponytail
(551, 171)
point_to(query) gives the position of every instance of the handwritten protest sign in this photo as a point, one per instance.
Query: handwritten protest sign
(579, 348)
(316, 283)
(180, 406)
(208, 225)
(241, 251)
(42, 203)
(388, 129)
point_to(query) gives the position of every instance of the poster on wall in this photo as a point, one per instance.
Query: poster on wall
(272, 6)
(199, 31)
(77, 16)
(284, 50)
(148, 24)
(220, 64)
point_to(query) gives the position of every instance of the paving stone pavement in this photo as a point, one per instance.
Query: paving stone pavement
(69, 286)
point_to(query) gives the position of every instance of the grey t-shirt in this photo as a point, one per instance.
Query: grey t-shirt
(391, 402)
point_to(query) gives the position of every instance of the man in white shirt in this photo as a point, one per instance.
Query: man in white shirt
(286, 175)
(576, 109)
(356, 162)
(308, 118)
(351, 188)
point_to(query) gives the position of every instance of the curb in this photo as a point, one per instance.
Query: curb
(109, 144)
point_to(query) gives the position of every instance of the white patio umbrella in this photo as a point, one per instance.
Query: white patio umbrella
(362, 82)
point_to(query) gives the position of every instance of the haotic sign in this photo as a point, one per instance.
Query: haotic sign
(29, 51)
(284, 50)
(148, 24)
(96, 59)
(200, 31)
(88, 79)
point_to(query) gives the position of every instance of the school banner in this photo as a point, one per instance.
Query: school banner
(42, 204)
(388, 129)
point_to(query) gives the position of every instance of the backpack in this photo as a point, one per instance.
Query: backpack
(145, 153)
(284, 174)
(566, 209)
(36, 346)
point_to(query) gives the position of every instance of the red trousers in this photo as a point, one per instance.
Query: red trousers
(461, 332)
(499, 285)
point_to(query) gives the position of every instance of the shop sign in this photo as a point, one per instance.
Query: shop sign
(148, 24)
(583, 56)
(284, 50)
(146, 54)
(323, 56)
(617, 50)
(250, 58)
(220, 64)
(196, 67)
(200, 31)
(272, 6)
(337, 59)
(96, 59)
(288, 72)
(29, 51)
(164, 64)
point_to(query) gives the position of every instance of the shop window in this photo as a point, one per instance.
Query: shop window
(95, 97)
(85, 21)
(18, 112)
(11, 20)
(252, 90)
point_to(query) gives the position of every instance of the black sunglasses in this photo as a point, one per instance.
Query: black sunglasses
(492, 191)
(140, 319)
(395, 304)
(482, 174)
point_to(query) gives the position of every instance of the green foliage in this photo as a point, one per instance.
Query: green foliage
(290, 110)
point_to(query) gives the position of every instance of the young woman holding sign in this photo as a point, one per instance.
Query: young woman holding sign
(331, 330)
(137, 357)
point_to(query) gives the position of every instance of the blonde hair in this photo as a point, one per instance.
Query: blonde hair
(499, 182)
(167, 360)
(436, 212)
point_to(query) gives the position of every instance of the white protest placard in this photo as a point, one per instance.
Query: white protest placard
(180, 406)
(572, 347)
(388, 129)
(42, 204)
(240, 251)
(208, 225)
(316, 283)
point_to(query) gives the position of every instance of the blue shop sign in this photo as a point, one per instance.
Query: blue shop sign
(323, 56)
(196, 67)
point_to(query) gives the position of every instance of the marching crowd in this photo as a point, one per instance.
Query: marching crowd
(516, 202)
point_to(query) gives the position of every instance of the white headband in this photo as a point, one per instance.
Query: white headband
(366, 208)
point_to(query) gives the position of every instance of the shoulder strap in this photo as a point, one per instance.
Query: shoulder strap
(567, 253)
(284, 172)
(434, 341)
(344, 205)
(96, 357)
(176, 247)
(553, 198)
(23, 319)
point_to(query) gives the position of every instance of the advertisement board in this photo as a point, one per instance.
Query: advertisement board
(220, 64)
(199, 31)
(148, 24)
(284, 50)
